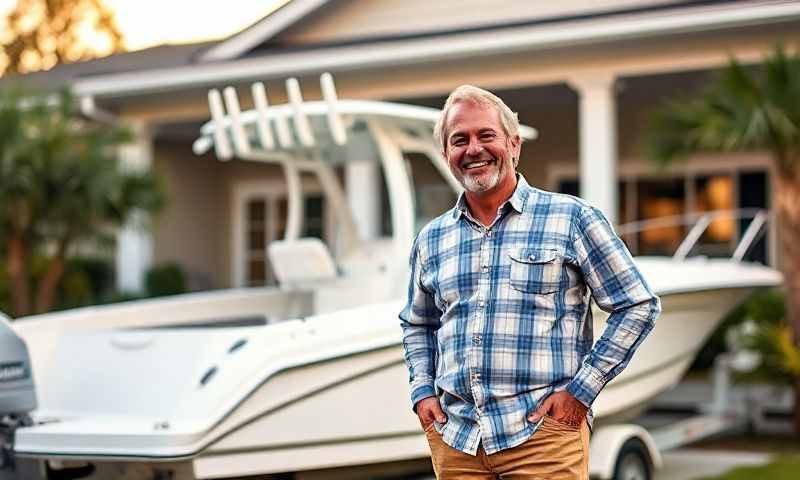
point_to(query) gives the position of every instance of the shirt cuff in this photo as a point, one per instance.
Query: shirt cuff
(586, 385)
(420, 392)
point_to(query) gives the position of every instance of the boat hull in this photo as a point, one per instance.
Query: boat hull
(376, 424)
(688, 319)
(332, 393)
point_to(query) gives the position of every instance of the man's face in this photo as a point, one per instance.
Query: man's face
(478, 151)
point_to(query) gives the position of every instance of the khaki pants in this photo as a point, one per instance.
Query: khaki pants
(555, 452)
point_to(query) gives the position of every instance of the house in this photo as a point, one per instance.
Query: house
(584, 73)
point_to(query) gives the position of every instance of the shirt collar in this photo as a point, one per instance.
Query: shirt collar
(517, 200)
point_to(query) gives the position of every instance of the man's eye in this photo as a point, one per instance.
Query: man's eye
(487, 136)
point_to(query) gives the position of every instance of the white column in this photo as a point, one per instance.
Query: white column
(598, 141)
(134, 242)
(364, 196)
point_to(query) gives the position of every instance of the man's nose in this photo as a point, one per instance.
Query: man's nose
(474, 148)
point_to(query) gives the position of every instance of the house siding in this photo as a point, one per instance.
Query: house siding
(347, 20)
(190, 231)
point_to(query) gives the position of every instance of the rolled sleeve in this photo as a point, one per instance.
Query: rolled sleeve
(586, 384)
(419, 319)
(618, 288)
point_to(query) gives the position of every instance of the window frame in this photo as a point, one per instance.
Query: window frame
(272, 191)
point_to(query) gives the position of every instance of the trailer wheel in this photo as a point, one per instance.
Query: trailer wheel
(633, 462)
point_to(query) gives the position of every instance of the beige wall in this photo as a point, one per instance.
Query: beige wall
(348, 19)
(195, 228)
(189, 230)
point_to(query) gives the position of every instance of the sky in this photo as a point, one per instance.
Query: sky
(145, 23)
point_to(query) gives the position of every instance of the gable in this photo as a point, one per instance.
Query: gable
(352, 20)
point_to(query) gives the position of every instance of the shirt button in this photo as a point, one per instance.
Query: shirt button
(476, 339)
(532, 257)
(481, 303)
(485, 269)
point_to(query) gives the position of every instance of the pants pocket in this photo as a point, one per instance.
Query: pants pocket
(559, 425)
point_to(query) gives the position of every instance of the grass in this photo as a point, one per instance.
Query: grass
(785, 464)
(781, 468)
(779, 445)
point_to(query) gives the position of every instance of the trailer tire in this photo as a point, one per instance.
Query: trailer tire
(633, 462)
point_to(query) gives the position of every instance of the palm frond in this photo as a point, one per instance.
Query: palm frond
(743, 109)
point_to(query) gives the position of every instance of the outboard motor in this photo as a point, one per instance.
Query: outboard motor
(17, 393)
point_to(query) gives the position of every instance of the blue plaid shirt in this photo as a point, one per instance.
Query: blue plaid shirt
(499, 318)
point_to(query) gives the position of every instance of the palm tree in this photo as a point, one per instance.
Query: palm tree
(60, 185)
(748, 109)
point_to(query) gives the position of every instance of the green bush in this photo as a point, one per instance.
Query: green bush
(768, 334)
(86, 281)
(773, 339)
(91, 280)
(763, 307)
(165, 279)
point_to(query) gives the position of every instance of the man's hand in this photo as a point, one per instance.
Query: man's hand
(428, 410)
(561, 406)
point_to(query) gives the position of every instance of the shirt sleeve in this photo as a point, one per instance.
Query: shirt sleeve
(419, 320)
(618, 288)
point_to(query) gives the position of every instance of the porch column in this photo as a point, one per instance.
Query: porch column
(598, 141)
(364, 196)
(134, 242)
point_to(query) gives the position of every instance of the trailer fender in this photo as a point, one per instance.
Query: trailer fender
(606, 443)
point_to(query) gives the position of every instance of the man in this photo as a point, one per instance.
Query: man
(497, 331)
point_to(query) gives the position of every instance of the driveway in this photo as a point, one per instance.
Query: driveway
(690, 464)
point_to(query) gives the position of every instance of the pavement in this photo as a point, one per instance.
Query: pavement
(690, 464)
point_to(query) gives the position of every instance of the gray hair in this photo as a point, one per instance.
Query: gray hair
(508, 118)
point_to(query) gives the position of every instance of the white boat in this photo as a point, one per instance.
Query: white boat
(308, 376)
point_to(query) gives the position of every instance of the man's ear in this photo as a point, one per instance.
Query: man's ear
(516, 144)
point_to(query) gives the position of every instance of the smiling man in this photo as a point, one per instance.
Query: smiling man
(497, 331)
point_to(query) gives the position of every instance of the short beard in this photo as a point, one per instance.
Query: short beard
(482, 184)
(485, 183)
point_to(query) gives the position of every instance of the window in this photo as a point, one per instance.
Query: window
(645, 197)
(256, 235)
(660, 198)
(753, 192)
(716, 192)
(261, 218)
(314, 210)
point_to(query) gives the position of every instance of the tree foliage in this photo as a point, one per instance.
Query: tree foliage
(39, 34)
(745, 109)
(60, 186)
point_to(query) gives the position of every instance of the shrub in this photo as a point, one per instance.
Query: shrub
(165, 279)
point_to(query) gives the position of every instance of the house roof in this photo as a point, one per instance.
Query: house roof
(154, 58)
(287, 13)
(252, 53)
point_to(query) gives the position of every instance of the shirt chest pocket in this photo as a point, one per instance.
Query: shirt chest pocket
(535, 270)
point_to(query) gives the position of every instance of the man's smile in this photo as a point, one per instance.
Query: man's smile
(475, 164)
